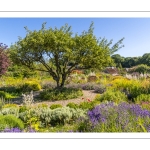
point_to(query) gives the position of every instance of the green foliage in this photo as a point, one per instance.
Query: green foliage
(10, 111)
(10, 121)
(42, 105)
(117, 59)
(2, 102)
(83, 125)
(128, 62)
(141, 69)
(88, 105)
(72, 105)
(10, 89)
(60, 116)
(145, 59)
(10, 105)
(4, 59)
(30, 86)
(145, 104)
(21, 72)
(23, 108)
(112, 95)
(60, 94)
(6, 95)
(142, 98)
(60, 128)
(133, 87)
(30, 116)
(54, 106)
(60, 47)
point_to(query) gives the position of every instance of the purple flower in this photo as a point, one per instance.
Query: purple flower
(139, 112)
(95, 115)
(12, 130)
(103, 120)
(31, 130)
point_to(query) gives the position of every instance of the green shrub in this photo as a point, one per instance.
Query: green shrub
(133, 87)
(72, 105)
(2, 102)
(10, 105)
(11, 111)
(60, 94)
(10, 89)
(23, 108)
(141, 69)
(6, 95)
(142, 98)
(78, 113)
(30, 86)
(60, 116)
(30, 118)
(29, 115)
(112, 95)
(54, 106)
(10, 121)
(48, 117)
(42, 105)
(88, 105)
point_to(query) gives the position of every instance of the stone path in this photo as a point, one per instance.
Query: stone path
(87, 94)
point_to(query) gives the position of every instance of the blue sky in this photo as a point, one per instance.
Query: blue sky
(136, 31)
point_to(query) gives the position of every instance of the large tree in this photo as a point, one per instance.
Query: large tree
(59, 51)
(4, 60)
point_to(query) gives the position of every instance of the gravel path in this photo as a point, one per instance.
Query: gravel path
(86, 95)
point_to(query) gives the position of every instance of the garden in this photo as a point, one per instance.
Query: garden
(51, 81)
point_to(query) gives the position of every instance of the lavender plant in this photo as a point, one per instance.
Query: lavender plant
(124, 117)
(12, 130)
(17, 130)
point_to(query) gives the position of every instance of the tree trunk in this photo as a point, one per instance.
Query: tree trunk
(60, 85)
(64, 76)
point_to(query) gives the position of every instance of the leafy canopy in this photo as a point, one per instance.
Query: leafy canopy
(59, 51)
(4, 60)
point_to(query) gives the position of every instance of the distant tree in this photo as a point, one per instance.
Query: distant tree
(4, 60)
(145, 59)
(59, 51)
(20, 71)
(129, 62)
(118, 60)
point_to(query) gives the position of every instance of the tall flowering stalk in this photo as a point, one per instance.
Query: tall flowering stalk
(109, 117)
(28, 99)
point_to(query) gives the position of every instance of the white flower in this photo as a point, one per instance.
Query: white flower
(28, 99)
